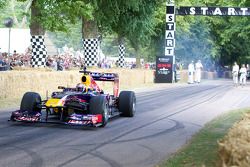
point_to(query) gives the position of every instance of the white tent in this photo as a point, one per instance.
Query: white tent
(19, 40)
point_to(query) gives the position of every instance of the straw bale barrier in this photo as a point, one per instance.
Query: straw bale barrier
(204, 75)
(13, 84)
(234, 148)
(16, 83)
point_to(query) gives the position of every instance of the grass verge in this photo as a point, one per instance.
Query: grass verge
(202, 149)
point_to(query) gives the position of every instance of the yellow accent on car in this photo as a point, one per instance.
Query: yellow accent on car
(54, 103)
(86, 80)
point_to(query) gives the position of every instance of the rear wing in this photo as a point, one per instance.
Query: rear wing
(97, 76)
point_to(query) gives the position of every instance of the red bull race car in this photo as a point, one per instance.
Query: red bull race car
(86, 104)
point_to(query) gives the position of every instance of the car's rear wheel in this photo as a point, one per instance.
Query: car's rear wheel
(30, 102)
(127, 103)
(99, 105)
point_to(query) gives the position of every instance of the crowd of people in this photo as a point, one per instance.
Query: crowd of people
(239, 72)
(63, 61)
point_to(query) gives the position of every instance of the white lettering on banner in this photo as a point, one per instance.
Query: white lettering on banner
(231, 11)
(214, 11)
(192, 11)
(244, 11)
(217, 11)
(170, 18)
(204, 10)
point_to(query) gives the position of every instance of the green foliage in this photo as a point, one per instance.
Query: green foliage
(231, 36)
(221, 39)
(57, 15)
(142, 24)
(71, 38)
(2, 3)
(17, 11)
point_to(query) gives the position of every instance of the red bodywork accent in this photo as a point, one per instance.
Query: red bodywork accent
(82, 101)
(94, 85)
(97, 119)
(116, 87)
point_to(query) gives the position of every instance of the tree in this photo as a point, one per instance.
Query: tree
(231, 36)
(133, 20)
(2, 3)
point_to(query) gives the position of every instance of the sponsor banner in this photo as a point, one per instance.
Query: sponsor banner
(213, 11)
(164, 69)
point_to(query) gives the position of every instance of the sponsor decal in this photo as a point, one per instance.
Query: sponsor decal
(165, 59)
(164, 65)
(97, 118)
(30, 119)
(76, 122)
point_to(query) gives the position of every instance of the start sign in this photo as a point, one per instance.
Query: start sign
(165, 70)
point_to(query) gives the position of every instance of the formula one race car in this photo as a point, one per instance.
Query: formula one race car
(86, 104)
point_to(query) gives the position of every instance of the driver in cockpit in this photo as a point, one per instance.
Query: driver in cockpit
(80, 87)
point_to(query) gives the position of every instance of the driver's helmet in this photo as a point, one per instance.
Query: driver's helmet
(80, 87)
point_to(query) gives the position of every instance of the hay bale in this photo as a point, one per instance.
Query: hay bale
(234, 148)
(16, 83)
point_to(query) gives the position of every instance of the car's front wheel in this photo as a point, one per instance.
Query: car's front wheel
(127, 103)
(30, 102)
(99, 105)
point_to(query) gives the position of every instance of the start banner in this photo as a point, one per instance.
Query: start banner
(213, 11)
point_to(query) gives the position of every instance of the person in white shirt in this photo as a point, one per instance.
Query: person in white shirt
(191, 73)
(243, 75)
(235, 73)
(198, 68)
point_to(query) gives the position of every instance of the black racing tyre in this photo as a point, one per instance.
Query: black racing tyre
(127, 103)
(30, 102)
(99, 105)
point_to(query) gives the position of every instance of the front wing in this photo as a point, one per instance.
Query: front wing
(75, 119)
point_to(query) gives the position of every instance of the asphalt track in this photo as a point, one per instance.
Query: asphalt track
(166, 119)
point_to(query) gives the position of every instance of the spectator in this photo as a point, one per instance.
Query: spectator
(235, 73)
(191, 73)
(60, 64)
(243, 75)
(198, 68)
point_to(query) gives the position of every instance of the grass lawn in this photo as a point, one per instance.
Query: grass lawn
(202, 149)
